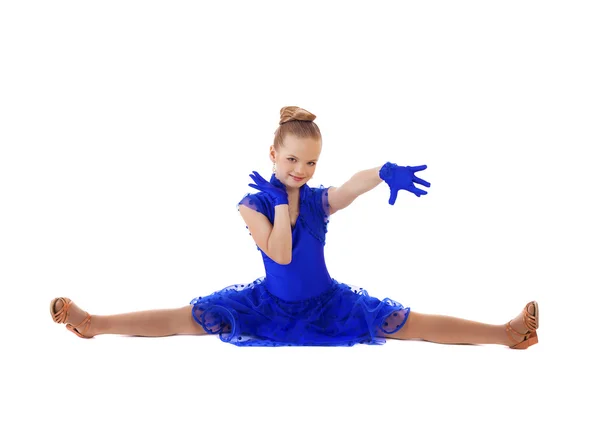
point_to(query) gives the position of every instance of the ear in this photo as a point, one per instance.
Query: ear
(272, 153)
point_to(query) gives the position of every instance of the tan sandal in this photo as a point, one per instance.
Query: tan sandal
(61, 317)
(532, 322)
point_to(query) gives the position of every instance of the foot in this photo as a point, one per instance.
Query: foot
(75, 316)
(523, 325)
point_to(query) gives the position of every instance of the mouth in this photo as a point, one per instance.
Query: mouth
(296, 178)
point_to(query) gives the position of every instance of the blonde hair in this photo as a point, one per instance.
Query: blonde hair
(295, 121)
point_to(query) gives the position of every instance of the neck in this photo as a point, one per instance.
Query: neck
(293, 195)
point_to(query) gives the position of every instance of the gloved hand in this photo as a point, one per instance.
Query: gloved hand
(402, 178)
(276, 193)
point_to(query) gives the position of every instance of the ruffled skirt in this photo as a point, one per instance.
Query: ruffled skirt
(249, 315)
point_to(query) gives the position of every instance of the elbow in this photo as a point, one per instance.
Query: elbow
(280, 254)
(283, 261)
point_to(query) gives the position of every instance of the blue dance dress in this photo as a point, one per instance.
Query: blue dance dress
(298, 303)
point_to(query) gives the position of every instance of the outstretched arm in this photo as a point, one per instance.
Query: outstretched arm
(359, 183)
(397, 177)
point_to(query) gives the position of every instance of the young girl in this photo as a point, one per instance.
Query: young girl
(297, 302)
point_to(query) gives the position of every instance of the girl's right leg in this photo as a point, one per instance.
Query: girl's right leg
(151, 323)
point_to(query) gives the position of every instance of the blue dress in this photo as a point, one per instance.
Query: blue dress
(298, 303)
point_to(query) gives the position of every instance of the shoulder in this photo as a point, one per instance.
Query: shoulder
(318, 191)
(320, 198)
(258, 202)
(253, 199)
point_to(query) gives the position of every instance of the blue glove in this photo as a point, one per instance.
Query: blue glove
(276, 192)
(402, 178)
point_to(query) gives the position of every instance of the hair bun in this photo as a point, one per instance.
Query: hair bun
(295, 113)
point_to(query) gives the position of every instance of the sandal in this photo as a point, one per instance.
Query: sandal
(532, 322)
(61, 316)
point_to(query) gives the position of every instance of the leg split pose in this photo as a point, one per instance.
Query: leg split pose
(519, 333)
(298, 302)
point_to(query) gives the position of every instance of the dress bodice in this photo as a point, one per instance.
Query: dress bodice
(307, 275)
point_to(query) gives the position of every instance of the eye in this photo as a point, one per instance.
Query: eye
(312, 163)
(291, 159)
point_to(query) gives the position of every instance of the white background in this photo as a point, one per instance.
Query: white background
(128, 130)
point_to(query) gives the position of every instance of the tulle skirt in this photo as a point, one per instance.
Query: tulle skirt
(249, 315)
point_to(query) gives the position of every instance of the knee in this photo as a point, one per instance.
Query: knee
(411, 328)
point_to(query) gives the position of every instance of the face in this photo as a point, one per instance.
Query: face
(296, 160)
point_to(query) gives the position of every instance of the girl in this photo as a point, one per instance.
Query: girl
(297, 302)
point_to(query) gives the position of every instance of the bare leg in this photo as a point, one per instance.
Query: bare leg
(452, 330)
(160, 322)
(152, 323)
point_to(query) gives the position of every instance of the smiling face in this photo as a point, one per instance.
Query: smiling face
(296, 161)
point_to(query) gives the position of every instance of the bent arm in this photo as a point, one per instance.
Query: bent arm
(280, 239)
(274, 240)
(359, 183)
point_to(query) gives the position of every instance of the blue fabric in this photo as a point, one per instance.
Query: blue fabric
(402, 178)
(275, 190)
(298, 303)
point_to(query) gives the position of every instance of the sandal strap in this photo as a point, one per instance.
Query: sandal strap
(530, 320)
(62, 315)
(86, 323)
(510, 329)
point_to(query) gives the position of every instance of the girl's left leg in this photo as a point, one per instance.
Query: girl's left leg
(452, 330)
